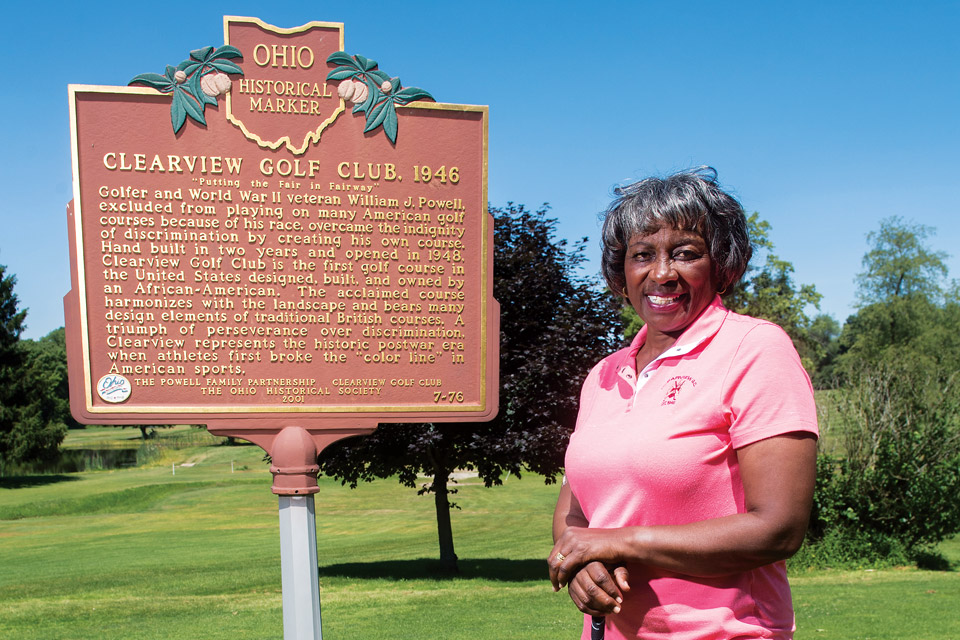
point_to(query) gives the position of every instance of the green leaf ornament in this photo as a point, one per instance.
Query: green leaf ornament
(188, 97)
(379, 108)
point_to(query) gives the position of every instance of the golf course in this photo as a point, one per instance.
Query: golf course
(185, 544)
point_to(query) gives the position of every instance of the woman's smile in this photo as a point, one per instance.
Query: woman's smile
(662, 303)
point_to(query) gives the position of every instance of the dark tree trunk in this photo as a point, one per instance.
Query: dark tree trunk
(447, 555)
(441, 498)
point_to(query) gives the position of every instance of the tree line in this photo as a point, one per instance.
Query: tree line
(34, 402)
(889, 464)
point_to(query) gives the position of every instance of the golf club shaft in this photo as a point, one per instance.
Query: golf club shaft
(597, 624)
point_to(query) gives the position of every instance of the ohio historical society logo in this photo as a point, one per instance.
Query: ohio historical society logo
(114, 388)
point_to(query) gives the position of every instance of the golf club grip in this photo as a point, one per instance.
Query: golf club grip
(597, 624)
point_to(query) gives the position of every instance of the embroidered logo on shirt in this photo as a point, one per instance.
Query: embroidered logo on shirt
(674, 386)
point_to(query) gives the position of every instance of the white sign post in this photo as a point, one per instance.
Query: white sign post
(298, 566)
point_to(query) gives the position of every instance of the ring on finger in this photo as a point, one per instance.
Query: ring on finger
(560, 557)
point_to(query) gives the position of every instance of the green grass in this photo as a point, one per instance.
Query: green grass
(103, 437)
(142, 553)
(878, 605)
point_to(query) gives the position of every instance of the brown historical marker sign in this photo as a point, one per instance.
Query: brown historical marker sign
(275, 233)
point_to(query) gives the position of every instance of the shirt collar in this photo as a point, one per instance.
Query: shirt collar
(704, 327)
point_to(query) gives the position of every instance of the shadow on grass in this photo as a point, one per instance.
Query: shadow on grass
(933, 561)
(21, 482)
(501, 569)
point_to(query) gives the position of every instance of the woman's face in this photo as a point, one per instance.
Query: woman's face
(669, 278)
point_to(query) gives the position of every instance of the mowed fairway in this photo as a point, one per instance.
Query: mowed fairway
(142, 553)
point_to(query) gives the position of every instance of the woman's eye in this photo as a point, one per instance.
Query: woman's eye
(686, 255)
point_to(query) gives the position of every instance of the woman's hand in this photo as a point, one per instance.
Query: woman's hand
(575, 548)
(577, 562)
(597, 592)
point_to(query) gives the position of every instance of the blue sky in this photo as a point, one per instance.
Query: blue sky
(825, 117)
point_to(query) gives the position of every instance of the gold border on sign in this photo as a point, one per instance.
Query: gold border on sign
(485, 291)
(78, 239)
(311, 137)
(271, 409)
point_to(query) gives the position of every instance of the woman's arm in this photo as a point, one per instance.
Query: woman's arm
(778, 476)
(567, 513)
(593, 589)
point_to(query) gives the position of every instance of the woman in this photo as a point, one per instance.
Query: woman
(689, 477)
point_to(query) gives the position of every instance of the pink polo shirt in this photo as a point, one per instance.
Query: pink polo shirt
(659, 448)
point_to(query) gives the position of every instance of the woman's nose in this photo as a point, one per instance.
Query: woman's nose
(663, 270)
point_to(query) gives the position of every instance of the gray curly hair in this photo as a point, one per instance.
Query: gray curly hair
(691, 200)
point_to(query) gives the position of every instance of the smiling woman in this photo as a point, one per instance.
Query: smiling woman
(670, 279)
(689, 477)
(688, 207)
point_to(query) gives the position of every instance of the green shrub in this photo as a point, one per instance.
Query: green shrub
(894, 489)
(846, 548)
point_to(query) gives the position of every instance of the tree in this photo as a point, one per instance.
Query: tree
(45, 370)
(40, 406)
(952, 294)
(554, 325)
(905, 309)
(11, 359)
(11, 324)
(900, 264)
(32, 383)
(824, 333)
(45, 415)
